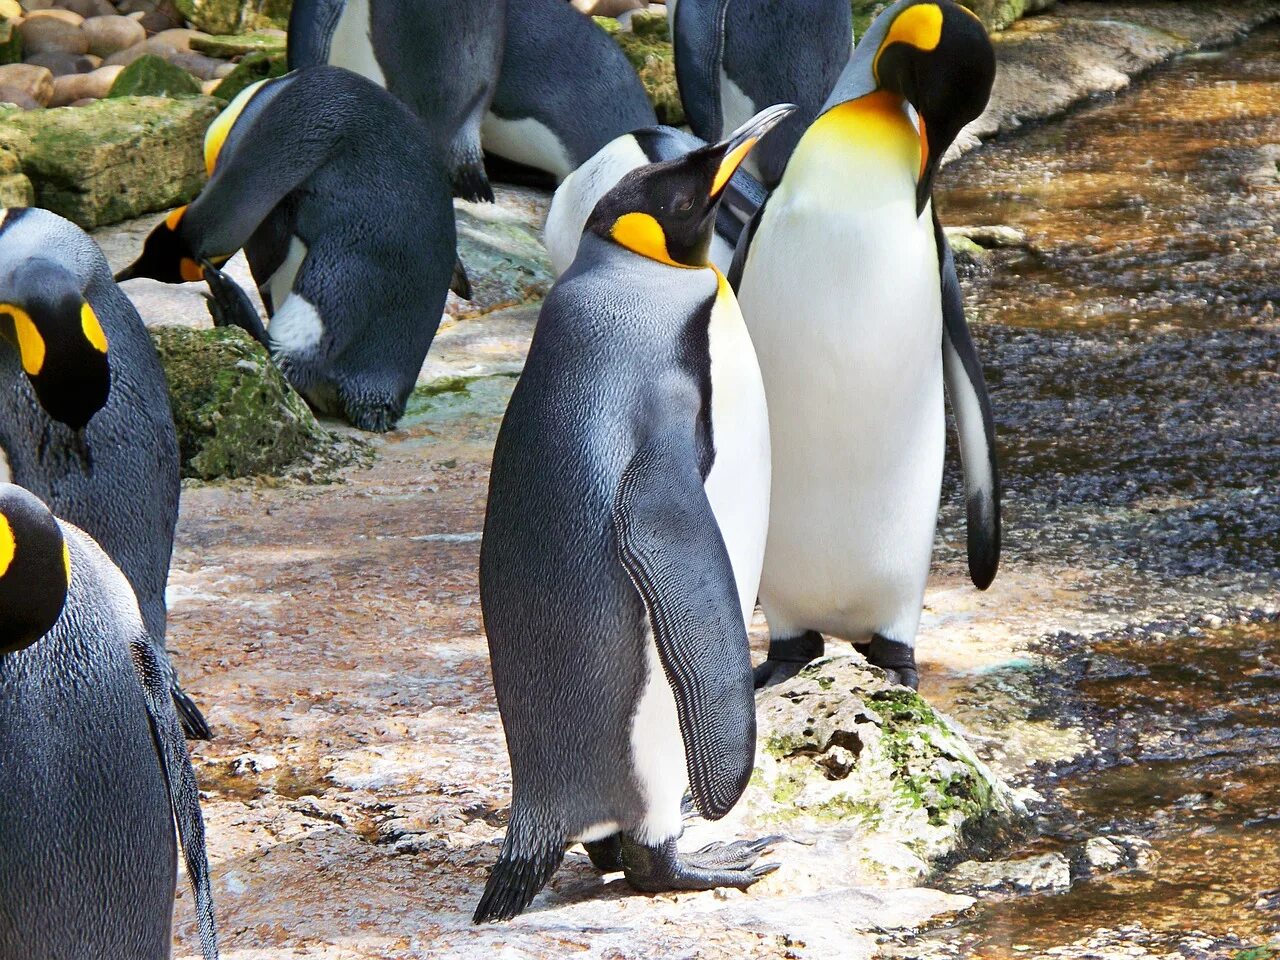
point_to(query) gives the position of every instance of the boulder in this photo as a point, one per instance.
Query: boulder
(648, 46)
(114, 159)
(266, 41)
(150, 76)
(10, 42)
(216, 16)
(235, 413)
(251, 69)
(108, 35)
(32, 81)
(72, 88)
(1046, 873)
(15, 187)
(51, 35)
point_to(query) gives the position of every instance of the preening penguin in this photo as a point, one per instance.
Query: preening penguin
(442, 59)
(733, 59)
(578, 195)
(850, 293)
(566, 89)
(348, 227)
(94, 772)
(622, 545)
(84, 411)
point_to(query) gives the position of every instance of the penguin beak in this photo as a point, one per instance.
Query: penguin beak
(740, 143)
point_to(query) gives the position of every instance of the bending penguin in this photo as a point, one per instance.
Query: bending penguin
(850, 292)
(578, 195)
(733, 59)
(617, 633)
(84, 411)
(566, 89)
(94, 772)
(309, 174)
(442, 59)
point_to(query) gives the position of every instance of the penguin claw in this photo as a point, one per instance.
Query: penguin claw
(655, 869)
(773, 672)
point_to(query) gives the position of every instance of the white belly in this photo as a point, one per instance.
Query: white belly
(844, 305)
(526, 141)
(6, 475)
(657, 753)
(352, 46)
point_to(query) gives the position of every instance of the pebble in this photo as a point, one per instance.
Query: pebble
(52, 35)
(125, 57)
(32, 81)
(63, 63)
(77, 87)
(108, 35)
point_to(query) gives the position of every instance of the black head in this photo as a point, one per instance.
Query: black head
(667, 211)
(44, 315)
(35, 569)
(166, 255)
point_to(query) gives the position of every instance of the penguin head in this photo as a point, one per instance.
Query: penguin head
(61, 344)
(667, 211)
(936, 55)
(166, 255)
(35, 569)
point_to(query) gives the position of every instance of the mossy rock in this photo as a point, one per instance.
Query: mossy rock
(996, 14)
(217, 17)
(237, 416)
(114, 159)
(254, 67)
(15, 186)
(840, 743)
(238, 46)
(10, 42)
(648, 46)
(152, 76)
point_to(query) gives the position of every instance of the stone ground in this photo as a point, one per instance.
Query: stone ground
(356, 788)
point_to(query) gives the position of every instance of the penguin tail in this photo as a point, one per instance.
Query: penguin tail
(194, 725)
(470, 182)
(530, 854)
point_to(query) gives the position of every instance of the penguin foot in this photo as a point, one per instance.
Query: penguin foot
(895, 658)
(688, 812)
(787, 657)
(606, 854)
(470, 182)
(660, 867)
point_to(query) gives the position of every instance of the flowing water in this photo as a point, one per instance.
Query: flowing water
(1134, 354)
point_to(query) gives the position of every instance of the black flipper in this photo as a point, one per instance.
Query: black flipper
(740, 202)
(698, 45)
(975, 426)
(194, 725)
(230, 306)
(184, 796)
(671, 548)
(743, 247)
(460, 283)
(531, 852)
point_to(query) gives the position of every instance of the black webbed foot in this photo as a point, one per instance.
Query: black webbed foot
(606, 854)
(787, 657)
(658, 868)
(894, 657)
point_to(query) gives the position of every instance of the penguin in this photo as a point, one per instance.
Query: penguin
(734, 59)
(85, 422)
(578, 194)
(850, 292)
(622, 543)
(566, 89)
(442, 59)
(348, 227)
(94, 773)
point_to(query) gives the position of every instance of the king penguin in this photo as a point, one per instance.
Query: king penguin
(348, 227)
(84, 412)
(566, 89)
(93, 769)
(734, 58)
(440, 58)
(625, 528)
(850, 292)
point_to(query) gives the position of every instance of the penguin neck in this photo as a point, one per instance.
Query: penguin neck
(863, 152)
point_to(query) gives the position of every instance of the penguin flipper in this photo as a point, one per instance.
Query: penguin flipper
(460, 283)
(230, 306)
(743, 247)
(741, 201)
(698, 42)
(184, 796)
(975, 425)
(672, 549)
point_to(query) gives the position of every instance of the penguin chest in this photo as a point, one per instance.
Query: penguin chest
(738, 483)
(296, 328)
(351, 45)
(578, 195)
(526, 140)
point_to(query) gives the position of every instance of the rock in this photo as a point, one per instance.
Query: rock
(54, 13)
(196, 64)
(224, 70)
(840, 743)
(123, 58)
(607, 8)
(648, 46)
(60, 64)
(503, 256)
(1047, 873)
(971, 259)
(1100, 855)
(31, 81)
(215, 16)
(990, 236)
(209, 87)
(89, 8)
(49, 35)
(10, 42)
(254, 67)
(178, 38)
(238, 46)
(158, 21)
(113, 159)
(69, 89)
(150, 76)
(235, 413)
(108, 35)
(18, 98)
(9, 9)
(15, 187)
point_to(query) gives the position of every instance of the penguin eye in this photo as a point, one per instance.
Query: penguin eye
(684, 206)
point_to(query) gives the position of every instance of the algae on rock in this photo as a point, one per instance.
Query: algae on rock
(648, 46)
(235, 413)
(15, 186)
(10, 42)
(251, 68)
(151, 76)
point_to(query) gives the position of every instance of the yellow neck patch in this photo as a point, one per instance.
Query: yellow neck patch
(8, 547)
(217, 133)
(30, 343)
(92, 329)
(642, 234)
(871, 128)
(919, 26)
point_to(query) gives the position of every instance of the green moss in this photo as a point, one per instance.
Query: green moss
(239, 45)
(648, 47)
(1259, 953)
(215, 16)
(254, 67)
(236, 415)
(152, 76)
(10, 42)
